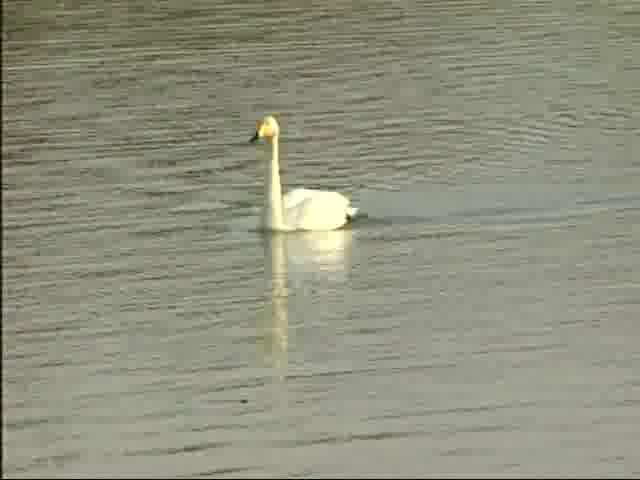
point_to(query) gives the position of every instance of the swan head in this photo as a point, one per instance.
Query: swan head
(266, 128)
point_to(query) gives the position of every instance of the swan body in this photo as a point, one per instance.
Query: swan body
(301, 208)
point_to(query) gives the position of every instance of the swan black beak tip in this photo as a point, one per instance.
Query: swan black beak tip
(254, 138)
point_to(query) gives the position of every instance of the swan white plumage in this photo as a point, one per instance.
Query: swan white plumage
(301, 208)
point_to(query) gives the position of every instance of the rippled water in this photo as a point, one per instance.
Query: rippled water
(481, 319)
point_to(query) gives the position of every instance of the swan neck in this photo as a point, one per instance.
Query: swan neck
(273, 213)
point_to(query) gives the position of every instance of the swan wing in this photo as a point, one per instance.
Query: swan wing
(306, 209)
(295, 196)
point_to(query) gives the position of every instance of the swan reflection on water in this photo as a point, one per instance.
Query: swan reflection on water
(291, 259)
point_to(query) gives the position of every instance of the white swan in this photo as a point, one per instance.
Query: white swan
(301, 208)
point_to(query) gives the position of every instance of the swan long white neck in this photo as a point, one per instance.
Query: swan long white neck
(272, 218)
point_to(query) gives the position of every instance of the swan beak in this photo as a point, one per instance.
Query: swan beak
(255, 137)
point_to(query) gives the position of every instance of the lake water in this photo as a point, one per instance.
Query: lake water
(481, 319)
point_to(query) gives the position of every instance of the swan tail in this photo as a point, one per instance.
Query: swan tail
(351, 212)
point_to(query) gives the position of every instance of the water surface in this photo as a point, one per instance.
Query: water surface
(480, 320)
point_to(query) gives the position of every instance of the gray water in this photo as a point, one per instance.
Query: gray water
(480, 319)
